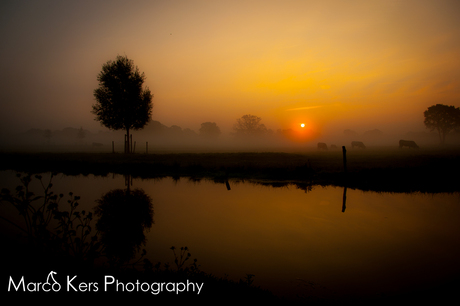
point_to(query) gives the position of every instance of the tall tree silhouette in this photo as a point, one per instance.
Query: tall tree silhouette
(122, 103)
(442, 118)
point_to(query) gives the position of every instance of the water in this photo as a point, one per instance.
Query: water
(295, 242)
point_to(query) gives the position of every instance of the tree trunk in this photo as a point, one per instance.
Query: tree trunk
(441, 136)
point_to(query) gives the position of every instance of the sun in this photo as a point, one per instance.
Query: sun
(302, 125)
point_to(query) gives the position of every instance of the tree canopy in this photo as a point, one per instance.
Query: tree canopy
(249, 125)
(209, 129)
(442, 118)
(121, 102)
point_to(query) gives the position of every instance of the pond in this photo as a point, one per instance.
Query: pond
(295, 241)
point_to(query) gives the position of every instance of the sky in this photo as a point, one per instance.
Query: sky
(329, 64)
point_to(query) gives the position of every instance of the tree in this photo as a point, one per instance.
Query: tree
(209, 130)
(81, 134)
(249, 125)
(442, 118)
(122, 103)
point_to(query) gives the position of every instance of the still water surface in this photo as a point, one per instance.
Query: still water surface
(295, 242)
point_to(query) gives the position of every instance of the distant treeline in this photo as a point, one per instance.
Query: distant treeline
(157, 136)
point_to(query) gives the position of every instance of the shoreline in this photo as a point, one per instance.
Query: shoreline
(373, 170)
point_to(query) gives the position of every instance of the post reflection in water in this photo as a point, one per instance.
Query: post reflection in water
(344, 201)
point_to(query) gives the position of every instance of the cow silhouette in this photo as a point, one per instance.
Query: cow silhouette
(407, 143)
(322, 146)
(358, 144)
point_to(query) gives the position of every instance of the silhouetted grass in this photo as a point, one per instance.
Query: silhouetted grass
(377, 169)
(74, 248)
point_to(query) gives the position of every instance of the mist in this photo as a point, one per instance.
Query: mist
(361, 66)
(156, 137)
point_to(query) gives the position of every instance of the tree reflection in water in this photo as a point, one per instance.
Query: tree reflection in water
(124, 217)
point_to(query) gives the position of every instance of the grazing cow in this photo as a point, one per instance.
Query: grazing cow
(407, 143)
(322, 146)
(358, 144)
(333, 147)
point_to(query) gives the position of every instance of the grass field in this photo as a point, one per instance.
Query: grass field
(379, 169)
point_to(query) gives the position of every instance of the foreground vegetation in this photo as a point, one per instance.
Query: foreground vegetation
(74, 247)
(379, 169)
(52, 237)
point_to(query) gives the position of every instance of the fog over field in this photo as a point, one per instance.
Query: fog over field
(157, 138)
(370, 68)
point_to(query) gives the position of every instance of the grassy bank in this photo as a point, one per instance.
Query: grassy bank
(380, 169)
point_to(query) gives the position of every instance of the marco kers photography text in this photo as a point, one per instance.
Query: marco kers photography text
(109, 284)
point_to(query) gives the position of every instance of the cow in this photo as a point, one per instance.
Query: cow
(407, 143)
(358, 144)
(322, 146)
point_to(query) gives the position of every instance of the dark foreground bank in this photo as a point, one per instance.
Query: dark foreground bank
(378, 169)
(29, 275)
(374, 170)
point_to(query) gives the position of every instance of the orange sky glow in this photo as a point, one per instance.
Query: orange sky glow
(329, 64)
